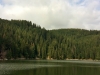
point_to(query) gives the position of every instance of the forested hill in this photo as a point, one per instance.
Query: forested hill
(24, 39)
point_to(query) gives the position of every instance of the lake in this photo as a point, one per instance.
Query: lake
(49, 67)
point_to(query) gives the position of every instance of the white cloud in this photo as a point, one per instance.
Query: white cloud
(53, 14)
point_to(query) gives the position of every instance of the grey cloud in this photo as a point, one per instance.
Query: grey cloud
(53, 14)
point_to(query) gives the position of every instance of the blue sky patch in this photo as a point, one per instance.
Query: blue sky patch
(80, 1)
(77, 2)
(1, 2)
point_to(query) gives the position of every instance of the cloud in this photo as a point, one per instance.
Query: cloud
(54, 14)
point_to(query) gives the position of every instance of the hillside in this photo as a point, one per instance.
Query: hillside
(24, 39)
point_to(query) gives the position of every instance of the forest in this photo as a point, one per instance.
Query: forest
(24, 39)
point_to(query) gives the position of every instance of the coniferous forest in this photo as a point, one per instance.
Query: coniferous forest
(24, 39)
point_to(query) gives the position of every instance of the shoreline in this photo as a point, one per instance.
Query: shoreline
(51, 59)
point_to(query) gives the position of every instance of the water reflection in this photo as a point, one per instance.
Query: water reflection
(61, 71)
(48, 68)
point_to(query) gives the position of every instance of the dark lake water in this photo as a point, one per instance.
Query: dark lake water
(49, 67)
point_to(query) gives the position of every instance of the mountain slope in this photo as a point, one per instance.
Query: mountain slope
(22, 39)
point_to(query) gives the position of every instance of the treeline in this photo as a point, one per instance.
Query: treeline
(24, 39)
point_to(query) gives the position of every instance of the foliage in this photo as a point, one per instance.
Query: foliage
(22, 39)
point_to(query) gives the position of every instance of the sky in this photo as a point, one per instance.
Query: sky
(54, 14)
